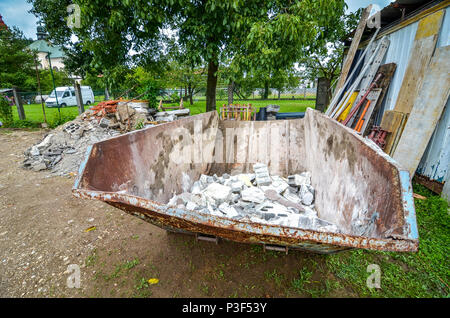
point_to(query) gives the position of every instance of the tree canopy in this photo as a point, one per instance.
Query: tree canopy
(16, 63)
(259, 37)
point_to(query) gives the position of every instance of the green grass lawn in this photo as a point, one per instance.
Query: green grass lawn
(422, 274)
(34, 114)
(286, 106)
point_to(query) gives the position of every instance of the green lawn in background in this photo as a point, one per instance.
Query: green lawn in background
(34, 114)
(286, 106)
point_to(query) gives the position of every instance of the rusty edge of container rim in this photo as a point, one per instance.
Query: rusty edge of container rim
(407, 198)
(401, 244)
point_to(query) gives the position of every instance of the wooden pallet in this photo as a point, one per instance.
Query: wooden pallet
(237, 112)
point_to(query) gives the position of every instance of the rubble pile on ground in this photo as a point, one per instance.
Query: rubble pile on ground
(64, 148)
(256, 197)
(171, 115)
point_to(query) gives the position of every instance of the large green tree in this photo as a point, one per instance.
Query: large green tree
(16, 62)
(260, 36)
(256, 35)
(325, 60)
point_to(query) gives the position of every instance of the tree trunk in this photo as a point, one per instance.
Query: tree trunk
(190, 92)
(211, 85)
(106, 93)
(266, 90)
(323, 94)
(230, 93)
(279, 94)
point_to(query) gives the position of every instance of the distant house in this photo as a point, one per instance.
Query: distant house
(43, 48)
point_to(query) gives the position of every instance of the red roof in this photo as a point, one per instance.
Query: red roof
(2, 24)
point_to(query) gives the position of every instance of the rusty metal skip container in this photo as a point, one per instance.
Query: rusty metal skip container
(140, 171)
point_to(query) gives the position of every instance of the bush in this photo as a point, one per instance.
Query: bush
(6, 114)
(56, 120)
(150, 91)
(24, 124)
(174, 97)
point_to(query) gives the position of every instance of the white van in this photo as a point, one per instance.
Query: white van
(66, 96)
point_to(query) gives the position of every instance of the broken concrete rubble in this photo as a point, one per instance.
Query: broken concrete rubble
(171, 115)
(64, 148)
(257, 197)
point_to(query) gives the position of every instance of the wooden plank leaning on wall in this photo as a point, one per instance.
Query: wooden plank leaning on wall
(425, 113)
(353, 48)
(421, 53)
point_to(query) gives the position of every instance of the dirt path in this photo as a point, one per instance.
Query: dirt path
(43, 230)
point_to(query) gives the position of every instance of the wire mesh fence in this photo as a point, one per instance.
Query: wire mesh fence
(36, 110)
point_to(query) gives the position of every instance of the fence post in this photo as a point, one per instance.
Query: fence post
(322, 96)
(19, 103)
(79, 98)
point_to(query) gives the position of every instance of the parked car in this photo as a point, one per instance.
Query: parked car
(66, 96)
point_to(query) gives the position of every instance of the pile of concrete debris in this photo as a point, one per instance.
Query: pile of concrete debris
(63, 149)
(257, 197)
(130, 115)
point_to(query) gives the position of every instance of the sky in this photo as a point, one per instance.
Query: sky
(15, 12)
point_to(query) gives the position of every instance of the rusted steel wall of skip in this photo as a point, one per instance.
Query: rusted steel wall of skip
(243, 231)
(279, 144)
(150, 163)
(132, 158)
(353, 176)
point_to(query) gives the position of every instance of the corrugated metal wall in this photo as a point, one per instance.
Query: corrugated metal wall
(435, 163)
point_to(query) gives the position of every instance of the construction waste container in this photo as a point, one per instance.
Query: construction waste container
(357, 186)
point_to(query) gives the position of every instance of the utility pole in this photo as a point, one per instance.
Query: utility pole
(54, 86)
(39, 89)
(79, 98)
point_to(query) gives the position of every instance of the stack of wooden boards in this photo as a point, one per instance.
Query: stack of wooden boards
(421, 100)
(357, 106)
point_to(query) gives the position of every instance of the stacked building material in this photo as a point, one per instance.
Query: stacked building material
(256, 197)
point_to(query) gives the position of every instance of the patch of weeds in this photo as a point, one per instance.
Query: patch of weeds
(275, 277)
(204, 289)
(142, 289)
(122, 268)
(298, 284)
(135, 237)
(219, 273)
(91, 259)
(421, 274)
(234, 295)
(246, 265)
(323, 289)
(191, 266)
(256, 249)
(130, 264)
(176, 294)
(273, 254)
